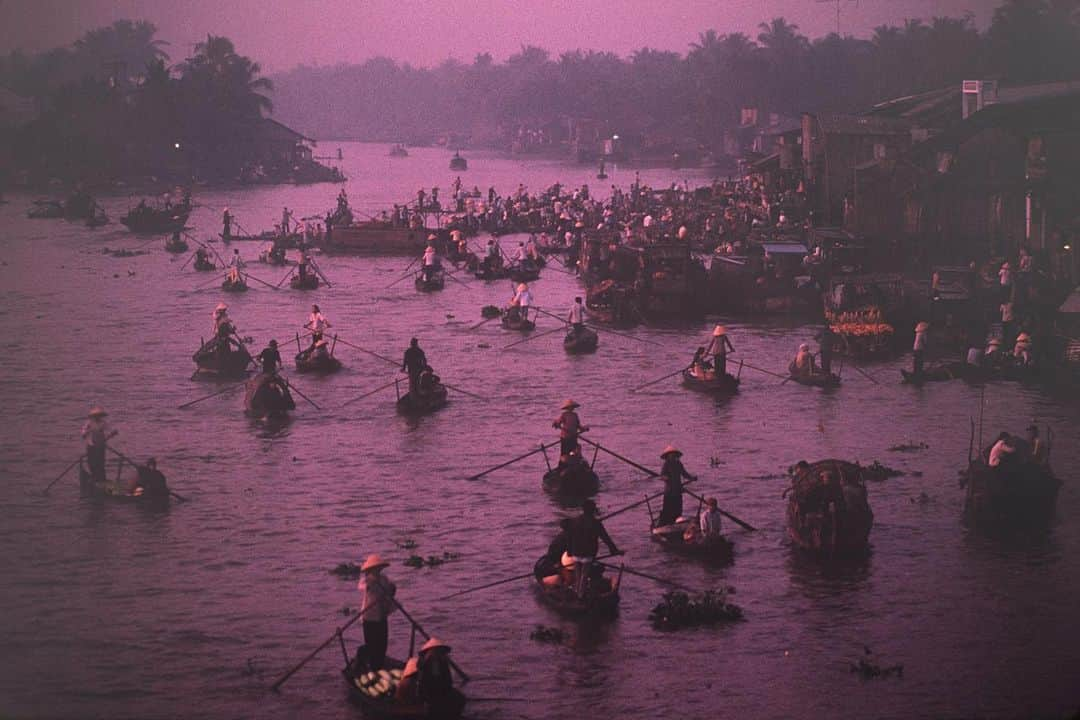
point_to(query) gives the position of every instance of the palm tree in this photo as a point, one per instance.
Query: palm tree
(125, 46)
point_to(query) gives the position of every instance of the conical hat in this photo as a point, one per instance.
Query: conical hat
(569, 405)
(97, 411)
(669, 450)
(922, 327)
(373, 562)
(719, 330)
(221, 307)
(1023, 338)
(804, 347)
(434, 643)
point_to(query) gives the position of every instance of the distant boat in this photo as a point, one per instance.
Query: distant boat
(458, 163)
(602, 175)
(399, 151)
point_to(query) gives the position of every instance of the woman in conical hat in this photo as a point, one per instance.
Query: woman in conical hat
(719, 347)
(376, 604)
(672, 474)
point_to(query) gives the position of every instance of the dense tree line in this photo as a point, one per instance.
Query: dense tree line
(695, 95)
(110, 106)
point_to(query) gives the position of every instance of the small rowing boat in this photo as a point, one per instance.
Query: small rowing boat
(308, 361)
(1014, 494)
(222, 358)
(267, 396)
(309, 281)
(117, 490)
(828, 512)
(581, 342)
(573, 478)
(709, 382)
(514, 321)
(423, 403)
(816, 379)
(599, 596)
(675, 538)
(375, 693)
(430, 283)
(238, 285)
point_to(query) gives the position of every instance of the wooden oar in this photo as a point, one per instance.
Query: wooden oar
(190, 258)
(511, 462)
(639, 503)
(287, 276)
(369, 352)
(654, 578)
(211, 280)
(625, 335)
(249, 276)
(408, 273)
(372, 392)
(420, 629)
(865, 374)
(462, 282)
(499, 582)
(485, 321)
(597, 445)
(298, 392)
(767, 372)
(745, 525)
(219, 392)
(319, 271)
(533, 337)
(315, 652)
(66, 471)
(653, 382)
(463, 392)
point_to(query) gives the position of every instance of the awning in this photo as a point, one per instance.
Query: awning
(1071, 304)
(784, 248)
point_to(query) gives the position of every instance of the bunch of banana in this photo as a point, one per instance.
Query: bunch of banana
(379, 684)
(861, 329)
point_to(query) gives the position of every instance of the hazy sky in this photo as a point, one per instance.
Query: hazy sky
(282, 33)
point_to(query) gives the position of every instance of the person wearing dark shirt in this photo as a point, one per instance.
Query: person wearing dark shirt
(435, 683)
(270, 359)
(152, 480)
(414, 363)
(585, 534)
(672, 474)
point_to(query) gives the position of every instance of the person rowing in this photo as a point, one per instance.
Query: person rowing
(576, 317)
(435, 682)
(151, 481)
(97, 432)
(431, 261)
(586, 532)
(569, 426)
(270, 358)
(316, 324)
(414, 363)
(672, 474)
(520, 303)
(719, 347)
(376, 603)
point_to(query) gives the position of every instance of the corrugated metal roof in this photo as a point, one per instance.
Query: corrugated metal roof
(862, 125)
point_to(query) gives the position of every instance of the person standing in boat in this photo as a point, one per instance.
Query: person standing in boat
(270, 359)
(97, 432)
(710, 519)
(569, 426)
(586, 532)
(235, 265)
(719, 347)
(286, 221)
(414, 363)
(522, 300)
(918, 349)
(226, 225)
(576, 317)
(431, 259)
(376, 604)
(672, 474)
(223, 326)
(316, 324)
(825, 349)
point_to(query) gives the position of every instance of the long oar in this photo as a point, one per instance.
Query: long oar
(639, 503)
(372, 392)
(298, 392)
(625, 335)
(660, 379)
(315, 652)
(420, 629)
(319, 271)
(408, 273)
(211, 280)
(628, 461)
(865, 374)
(287, 276)
(533, 337)
(461, 282)
(249, 276)
(190, 258)
(369, 352)
(219, 392)
(745, 525)
(511, 462)
(654, 578)
(134, 464)
(66, 471)
(464, 392)
(767, 372)
(497, 583)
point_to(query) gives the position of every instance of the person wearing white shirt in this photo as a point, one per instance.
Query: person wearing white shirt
(1000, 449)
(317, 323)
(710, 519)
(577, 315)
(522, 300)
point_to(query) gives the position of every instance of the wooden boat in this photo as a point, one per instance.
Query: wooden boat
(437, 281)
(712, 550)
(829, 520)
(203, 265)
(97, 220)
(117, 490)
(145, 220)
(523, 272)
(1023, 494)
(274, 255)
(398, 151)
(309, 281)
(423, 404)
(514, 321)
(458, 163)
(385, 705)
(485, 271)
(374, 238)
(267, 396)
(229, 361)
(46, 210)
(816, 379)
(310, 362)
(176, 245)
(572, 479)
(708, 382)
(600, 598)
(579, 343)
(239, 285)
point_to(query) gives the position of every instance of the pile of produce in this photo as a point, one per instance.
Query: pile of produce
(347, 570)
(381, 684)
(867, 669)
(547, 635)
(490, 311)
(679, 610)
(868, 322)
(418, 561)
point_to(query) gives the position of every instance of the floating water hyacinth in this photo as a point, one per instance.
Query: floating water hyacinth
(680, 610)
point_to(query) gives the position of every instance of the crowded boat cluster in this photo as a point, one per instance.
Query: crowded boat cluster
(642, 255)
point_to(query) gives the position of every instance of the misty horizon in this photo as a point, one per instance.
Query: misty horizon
(330, 33)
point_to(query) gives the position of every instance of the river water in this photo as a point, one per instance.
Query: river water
(110, 611)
